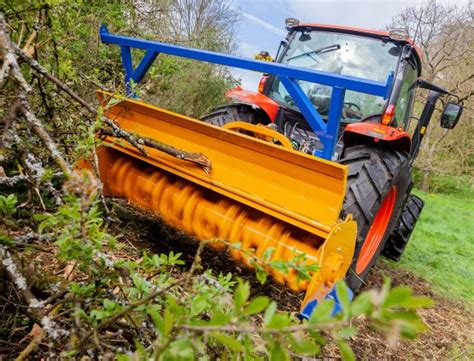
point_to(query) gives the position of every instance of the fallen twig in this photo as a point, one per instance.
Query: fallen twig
(20, 282)
(11, 181)
(22, 105)
(197, 158)
(35, 341)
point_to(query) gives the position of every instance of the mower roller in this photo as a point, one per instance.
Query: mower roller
(289, 172)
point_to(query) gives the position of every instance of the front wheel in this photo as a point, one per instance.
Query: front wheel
(400, 236)
(377, 182)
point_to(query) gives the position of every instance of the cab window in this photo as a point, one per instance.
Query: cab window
(405, 100)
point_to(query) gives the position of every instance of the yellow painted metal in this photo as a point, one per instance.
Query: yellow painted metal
(258, 194)
(261, 132)
(297, 188)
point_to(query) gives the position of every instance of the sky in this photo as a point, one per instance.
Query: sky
(262, 24)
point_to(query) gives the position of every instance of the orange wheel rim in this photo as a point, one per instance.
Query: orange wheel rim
(377, 231)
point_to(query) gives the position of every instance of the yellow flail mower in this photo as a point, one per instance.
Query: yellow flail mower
(239, 176)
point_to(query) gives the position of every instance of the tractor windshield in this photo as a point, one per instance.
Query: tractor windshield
(345, 54)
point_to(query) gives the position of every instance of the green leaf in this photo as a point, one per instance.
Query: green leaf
(5, 240)
(343, 296)
(258, 304)
(317, 337)
(410, 329)
(198, 305)
(278, 353)
(109, 305)
(323, 312)
(269, 312)
(181, 349)
(418, 302)
(303, 345)
(401, 296)
(397, 296)
(346, 351)
(279, 321)
(85, 290)
(347, 332)
(261, 274)
(241, 294)
(219, 319)
(406, 316)
(279, 265)
(268, 253)
(140, 349)
(156, 318)
(228, 341)
(362, 305)
(168, 321)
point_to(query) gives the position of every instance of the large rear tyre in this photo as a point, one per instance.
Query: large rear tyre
(400, 236)
(377, 183)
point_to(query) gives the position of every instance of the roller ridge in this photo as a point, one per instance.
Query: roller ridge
(205, 215)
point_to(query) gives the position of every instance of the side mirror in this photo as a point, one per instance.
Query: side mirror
(451, 114)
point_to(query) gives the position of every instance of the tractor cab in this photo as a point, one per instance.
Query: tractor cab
(376, 57)
(351, 52)
(364, 54)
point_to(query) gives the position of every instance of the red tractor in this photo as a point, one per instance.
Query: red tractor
(378, 139)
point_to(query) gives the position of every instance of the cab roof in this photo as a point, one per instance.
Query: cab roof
(378, 34)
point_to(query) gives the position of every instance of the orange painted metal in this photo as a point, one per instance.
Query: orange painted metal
(380, 132)
(377, 231)
(252, 98)
(260, 132)
(257, 194)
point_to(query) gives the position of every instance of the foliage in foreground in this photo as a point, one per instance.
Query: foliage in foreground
(149, 307)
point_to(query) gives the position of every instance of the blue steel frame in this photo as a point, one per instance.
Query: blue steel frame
(288, 75)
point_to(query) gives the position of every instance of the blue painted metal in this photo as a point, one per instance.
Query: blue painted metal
(305, 106)
(335, 111)
(309, 308)
(326, 131)
(135, 75)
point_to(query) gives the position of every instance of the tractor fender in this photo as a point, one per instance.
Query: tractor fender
(257, 101)
(376, 133)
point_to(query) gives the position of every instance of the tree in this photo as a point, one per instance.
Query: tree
(445, 35)
(182, 85)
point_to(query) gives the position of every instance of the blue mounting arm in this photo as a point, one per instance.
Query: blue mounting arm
(288, 75)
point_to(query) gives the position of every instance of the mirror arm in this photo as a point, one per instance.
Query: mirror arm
(424, 121)
(430, 86)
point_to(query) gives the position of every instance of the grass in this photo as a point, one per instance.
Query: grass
(441, 249)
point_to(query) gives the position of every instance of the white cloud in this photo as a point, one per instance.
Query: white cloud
(262, 23)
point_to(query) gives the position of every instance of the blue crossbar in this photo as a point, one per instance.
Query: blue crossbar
(288, 75)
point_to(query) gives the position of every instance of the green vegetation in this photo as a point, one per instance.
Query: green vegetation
(441, 249)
